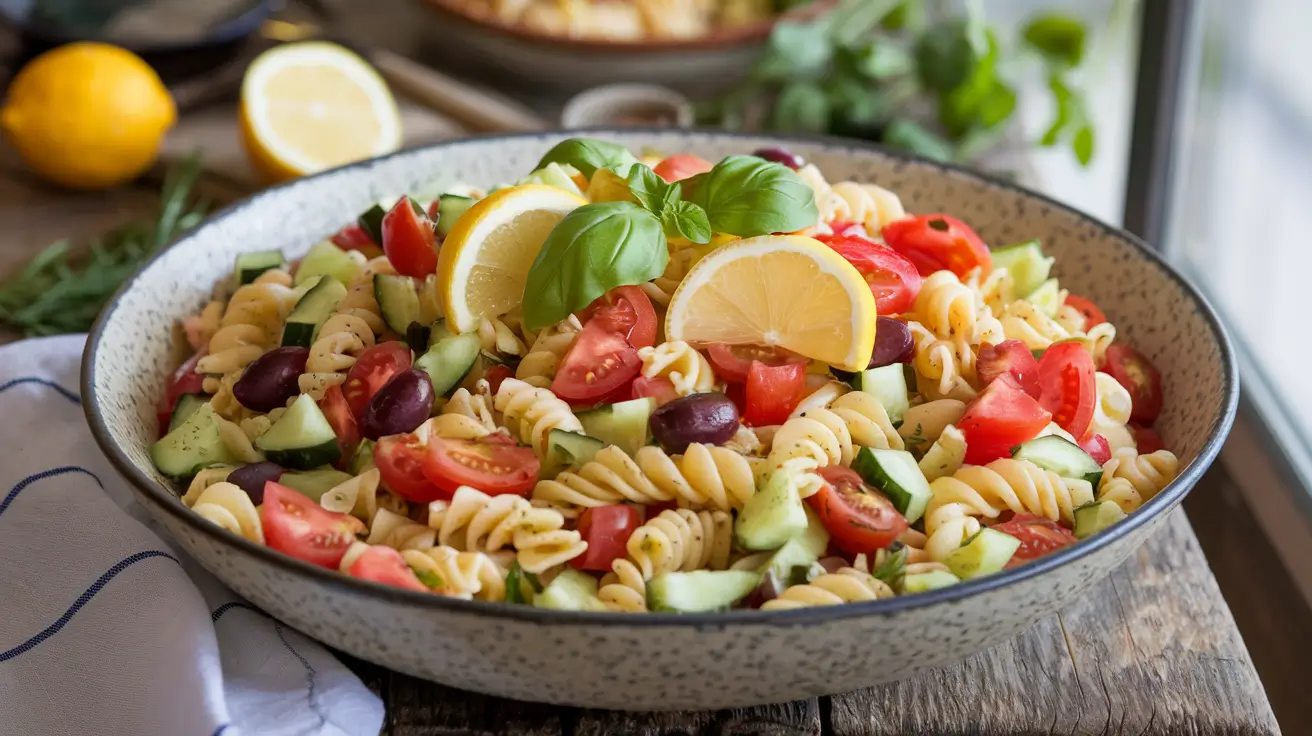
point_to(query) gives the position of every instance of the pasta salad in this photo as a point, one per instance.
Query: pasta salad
(637, 20)
(660, 384)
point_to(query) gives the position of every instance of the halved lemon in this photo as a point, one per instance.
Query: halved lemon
(306, 107)
(784, 290)
(484, 261)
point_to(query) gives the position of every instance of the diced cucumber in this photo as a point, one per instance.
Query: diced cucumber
(815, 540)
(326, 259)
(313, 309)
(186, 406)
(920, 582)
(801, 551)
(1093, 518)
(301, 439)
(1062, 457)
(398, 301)
(363, 459)
(249, 266)
(521, 586)
(986, 553)
(569, 450)
(699, 591)
(194, 445)
(623, 424)
(889, 385)
(1026, 265)
(773, 516)
(555, 175)
(449, 358)
(314, 483)
(897, 475)
(449, 209)
(571, 590)
(1047, 298)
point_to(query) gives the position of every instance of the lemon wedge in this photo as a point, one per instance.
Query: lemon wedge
(783, 290)
(484, 261)
(306, 107)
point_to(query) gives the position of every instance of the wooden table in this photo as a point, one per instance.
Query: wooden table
(1151, 650)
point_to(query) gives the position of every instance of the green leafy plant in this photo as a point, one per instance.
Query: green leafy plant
(749, 196)
(589, 154)
(60, 291)
(937, 84)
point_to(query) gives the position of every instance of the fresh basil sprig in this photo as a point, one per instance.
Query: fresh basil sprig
(679, 218)
(749, 196)
(589, 154)
(596, 248)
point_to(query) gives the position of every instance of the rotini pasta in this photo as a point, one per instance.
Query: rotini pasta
(531, 413)
(848, 585)
(458, 574)
(705, 476)
(687, 369)
(473, 521)
(1148, 474)
(872, 206)
(228, 506)
(547, 350)
(827, 436)
(341, 340)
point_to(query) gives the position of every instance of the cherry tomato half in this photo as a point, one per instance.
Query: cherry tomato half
(1038, 536)
(1140, 377)
(1092, 314)
(936, 242)
(385, 565)
(681, 166)
(1098, 448)
(493, 465)
(598, 364)
(1010, 357)
(353, 237)
(400, 458)
(295, 525)
(860, 520)
(733, 362)
(185, 380)
(409, 240)
(1066, 386)
(893, 279)
(495, 375)
(1146, 439)
(773, 391)
(628, 311)
(375, 367)
(1000, 418)
(606, 529)
(339, 416)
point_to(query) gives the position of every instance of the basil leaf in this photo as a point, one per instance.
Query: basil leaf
(589, 154)
(748, 196)
(649, 189)
(1083, 144)
(596, 248)
(945, 56)
(687, 220)
(1059, 37)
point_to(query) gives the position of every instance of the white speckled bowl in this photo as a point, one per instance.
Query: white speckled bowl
(658, 661)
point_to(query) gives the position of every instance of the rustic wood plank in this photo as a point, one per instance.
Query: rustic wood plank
(799, 718)
(419, 708)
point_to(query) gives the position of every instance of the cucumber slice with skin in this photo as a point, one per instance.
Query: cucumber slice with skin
(326, 259)
(314, 483)
(889, 385)
(449, 209)
(186, 406)
(897, 475)
(448, 359)
(623, 424)
(986, 553)
(1093, 518)
(249, 266)
(801, 551)
(398, 301)
(1026, 265)
(571, 590)
(1047, 298)
(569, 450)
(921, 582)
(700, 591)
(302, 439)
(195, 444)
(313, 309)
(773, 516)
(1062, 457)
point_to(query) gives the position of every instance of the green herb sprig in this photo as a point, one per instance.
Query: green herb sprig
(60, 291)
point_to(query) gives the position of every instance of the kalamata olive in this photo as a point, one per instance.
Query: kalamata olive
(893, 343)
(251, 478)
(781, 156)
(695, 418)
(401, 405)
(271, 379)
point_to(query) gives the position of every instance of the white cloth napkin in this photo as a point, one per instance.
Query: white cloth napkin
(108, 628)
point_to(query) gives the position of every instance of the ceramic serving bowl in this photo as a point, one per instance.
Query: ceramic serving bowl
(657, 661)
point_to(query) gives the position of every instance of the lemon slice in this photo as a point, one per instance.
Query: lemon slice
(484, 261)
(783, 290)
(306, 107)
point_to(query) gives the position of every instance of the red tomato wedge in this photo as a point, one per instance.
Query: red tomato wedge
(385, 565)
(496, 374)
(493, 465)
(606, 529)
(409, 240)
(1000, 418)
(859, 519)
(1098, 448)
(893, 279)
(1092, 314)
(375, 367)
(936, 242)
(1066, 386)
(1038, 536)
(773, 391)
(598, 364)
(733, 362)
(295, 525)
(1010, 357)
(185, 380)
(658, 388)
(400, 460)
(681, 166)
(1140, 377)
(1146, 439)
(339, 416)
(628, 311)
(353, 237)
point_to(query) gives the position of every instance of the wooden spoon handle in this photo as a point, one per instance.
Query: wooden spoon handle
(478, 109)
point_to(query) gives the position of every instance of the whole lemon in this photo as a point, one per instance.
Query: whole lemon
(88, 115)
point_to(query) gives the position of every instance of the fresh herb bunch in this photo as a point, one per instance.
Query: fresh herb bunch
(57, 293)
(933, 83)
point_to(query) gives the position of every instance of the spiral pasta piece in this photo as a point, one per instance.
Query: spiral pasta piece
(994, 291)
(547, 349)
(342, 339)
(623, 588)
(945, 456)
(200, 327)
(204, 478)
(944, 368)
(252, 323)
(872, 206)
(1023, 321)
(682, 539)
(680, 363)
(475, 522)
(530, 413)
(848, 585)
(458, 574)
(224, 402)
(828, 436)
(228, 506)
(1121, 492)
(705, 476)
(362, 498)
(399, 532)
(476, 406)
(1149, 474)
(495, 336)
(1111, 412)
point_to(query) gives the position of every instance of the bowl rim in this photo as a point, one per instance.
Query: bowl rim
(1174, 492)
(718, 39)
